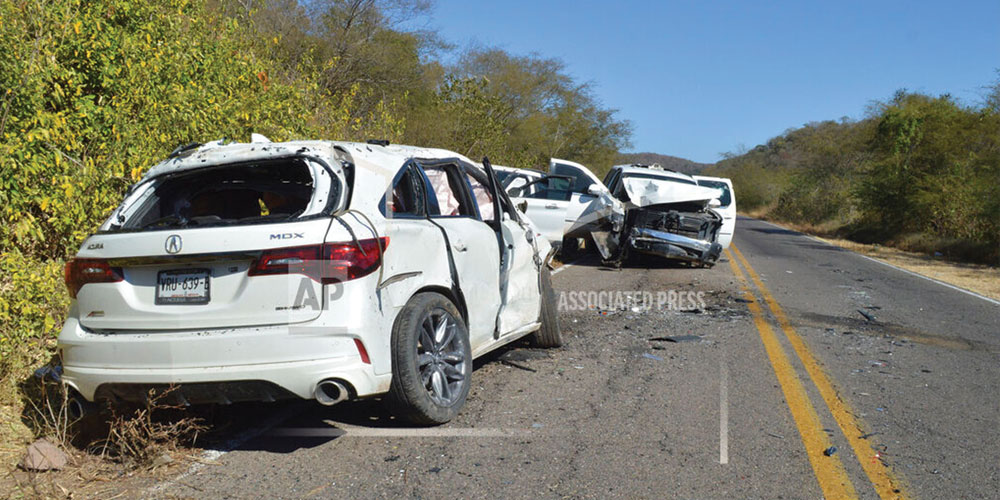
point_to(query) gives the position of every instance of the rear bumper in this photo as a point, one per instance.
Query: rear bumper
(674, 246)
(292, 359)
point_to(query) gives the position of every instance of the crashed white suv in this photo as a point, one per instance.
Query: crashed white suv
(323, 270)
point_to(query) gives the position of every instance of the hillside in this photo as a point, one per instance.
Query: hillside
(666, 161)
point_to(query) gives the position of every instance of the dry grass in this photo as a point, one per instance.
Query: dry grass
(982, 279)
(131, 440)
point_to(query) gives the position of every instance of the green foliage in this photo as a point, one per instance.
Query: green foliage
(93, 92)
(918, 169)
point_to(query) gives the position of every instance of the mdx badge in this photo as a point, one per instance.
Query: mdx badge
(173, 244)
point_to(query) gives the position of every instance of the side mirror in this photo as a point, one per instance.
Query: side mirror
(523, 206)
(514, 192)
(714, 203)
(595, 190)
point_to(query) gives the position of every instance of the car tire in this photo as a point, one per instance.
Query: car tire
(549, 335)
(431, 363)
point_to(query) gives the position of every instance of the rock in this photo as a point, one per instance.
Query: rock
(42, 455)
(162, 460)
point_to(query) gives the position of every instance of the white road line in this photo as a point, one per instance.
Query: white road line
(723, 411)
(338, 429)
(214, 454)
(907, 271)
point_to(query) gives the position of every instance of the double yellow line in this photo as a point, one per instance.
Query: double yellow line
(829, 470)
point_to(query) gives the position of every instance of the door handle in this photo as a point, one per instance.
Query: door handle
(552, 206)
(459, 246)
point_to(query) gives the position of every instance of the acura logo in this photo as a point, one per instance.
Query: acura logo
(173, 244)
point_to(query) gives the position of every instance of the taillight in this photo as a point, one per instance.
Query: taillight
(79, 272)
(327, 263)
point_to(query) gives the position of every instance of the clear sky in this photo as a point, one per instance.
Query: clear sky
(698, 78)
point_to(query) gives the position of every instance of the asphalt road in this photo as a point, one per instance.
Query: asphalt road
(770, 367)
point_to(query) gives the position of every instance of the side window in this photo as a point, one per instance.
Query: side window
(727, 198)
(580, 180)
(446, 186)
(484, 198)
(407, 197)
(552, 188)
(612, 179)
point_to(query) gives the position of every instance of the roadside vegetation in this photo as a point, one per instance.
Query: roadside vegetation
(919, 172)
(93, 92)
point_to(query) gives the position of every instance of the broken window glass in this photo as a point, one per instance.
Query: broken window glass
(247, 193)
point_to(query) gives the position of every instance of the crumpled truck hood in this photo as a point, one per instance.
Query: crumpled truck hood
(644, 192)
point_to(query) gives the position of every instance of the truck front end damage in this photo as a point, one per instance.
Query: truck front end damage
(662, 218)
(675, 232)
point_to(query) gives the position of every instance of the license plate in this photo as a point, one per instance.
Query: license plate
(185, 286)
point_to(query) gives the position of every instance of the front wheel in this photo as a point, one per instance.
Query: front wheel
(431, 361)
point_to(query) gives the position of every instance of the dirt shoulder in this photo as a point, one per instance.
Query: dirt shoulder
(978, 278)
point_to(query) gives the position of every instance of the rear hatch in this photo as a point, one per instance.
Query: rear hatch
(215, 247)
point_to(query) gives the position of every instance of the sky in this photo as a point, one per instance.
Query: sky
(701, 78)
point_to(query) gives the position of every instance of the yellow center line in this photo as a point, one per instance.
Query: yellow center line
(881, 476)
(830, 470)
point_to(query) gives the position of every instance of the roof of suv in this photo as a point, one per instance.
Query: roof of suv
(218, 153)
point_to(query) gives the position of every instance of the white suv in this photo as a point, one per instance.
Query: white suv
(319, 270)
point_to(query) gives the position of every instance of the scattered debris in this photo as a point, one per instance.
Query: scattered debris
(779, 436)
(880, 409)
(879, 362)
(868, 317)
(866, 436)
(42, 455)
(691, 311)
(525, 355)
(536, 425)
(518, 366)
(925, 370)
(651, 356)
(742, 301)
(830, 451)
(676, 338)
(392, 458)
(434, 470)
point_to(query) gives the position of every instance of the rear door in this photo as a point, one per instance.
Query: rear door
(217, 247)
(581, 203)
(547, 200)
(520, 264)
(728, 208)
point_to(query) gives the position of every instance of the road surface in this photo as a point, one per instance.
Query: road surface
(771, 367)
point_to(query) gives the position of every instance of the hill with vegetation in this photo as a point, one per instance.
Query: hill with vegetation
(918, 172)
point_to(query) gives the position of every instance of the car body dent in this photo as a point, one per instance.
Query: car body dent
(300, 346)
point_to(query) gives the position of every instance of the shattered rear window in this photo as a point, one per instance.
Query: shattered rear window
(247, 193)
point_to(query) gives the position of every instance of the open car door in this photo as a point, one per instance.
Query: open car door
(520, 264)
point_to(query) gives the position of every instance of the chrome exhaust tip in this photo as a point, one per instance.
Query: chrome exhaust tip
(330, 392)
(77, 407)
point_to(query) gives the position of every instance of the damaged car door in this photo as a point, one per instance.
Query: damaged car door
(546, 201)
(471, 245)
